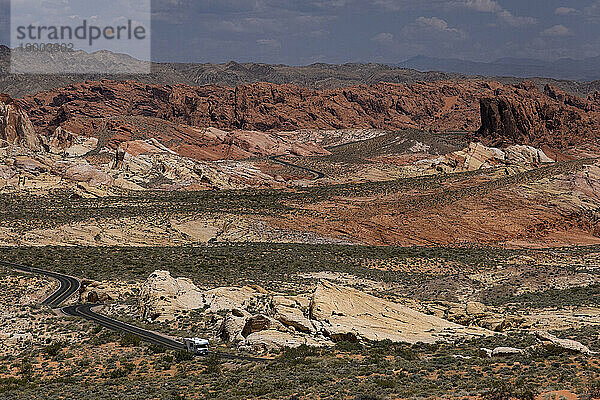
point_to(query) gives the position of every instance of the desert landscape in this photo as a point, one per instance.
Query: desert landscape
(441, 237)
(246, 230)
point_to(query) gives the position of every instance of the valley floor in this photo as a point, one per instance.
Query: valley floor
(477, 239)
(519, 292)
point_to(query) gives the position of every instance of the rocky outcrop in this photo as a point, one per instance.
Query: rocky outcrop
(262, 106)
(477, 156)
(150, 135)
(524, 115)
(503, 121)
(103, 292)
(15, 126)
(83, 172)
(293, 311)
(274, 339)
(474, 314)
(344, 313)
(506, 351)
(61, 139)
(234, 299)
(525, 155)
(29, 165)
(253, 318)
(504, 114)
(554, 344)
(501, 352)
(547, 342)
(7, 172)
(161, 295)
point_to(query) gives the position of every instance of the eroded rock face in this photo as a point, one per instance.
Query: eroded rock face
(161, 295)
(293, 311)
(524, 115)
(15, 126)
(347, 314)
(61, 139)
(83, 172)
(555, 344)
(499, 117)
(526, 155)
(274, 339)
(103, 292)
(30, 165)
(263, 106)
(546, 341)
(181, 114)
(477, 156)
(257, 320)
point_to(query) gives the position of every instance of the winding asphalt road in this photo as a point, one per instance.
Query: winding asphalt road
(70, 285)
(85, 311)
(318, 175)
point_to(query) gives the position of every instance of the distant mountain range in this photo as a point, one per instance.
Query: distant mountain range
(314, 76)
(566, 68)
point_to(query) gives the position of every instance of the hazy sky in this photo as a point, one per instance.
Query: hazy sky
(336, 31)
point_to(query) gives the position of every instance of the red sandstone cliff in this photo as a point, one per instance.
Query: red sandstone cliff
(524, 115)
(503, 114)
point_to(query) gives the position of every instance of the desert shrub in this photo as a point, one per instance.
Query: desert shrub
(350, 347)
(83, 363)
(26, 369)
(12, 383)
(156, 349)
(53, 350)
(298, 354)
(165, 362)
(104, 336)
(124, 370)
(183, 355)
(506, 390)
(366, 397)
(129, 340)
(118, 373)
(387, 347)
(385, 383)
(177, 396)
(213, 364)
(96, 330)
(575, 296)
(592, 391)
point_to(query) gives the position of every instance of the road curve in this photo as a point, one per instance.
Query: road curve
(318, 175)
(70, 285)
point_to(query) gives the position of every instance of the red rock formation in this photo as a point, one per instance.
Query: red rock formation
(518, 114)
(15, 126)
(266, 107)
(524, 115)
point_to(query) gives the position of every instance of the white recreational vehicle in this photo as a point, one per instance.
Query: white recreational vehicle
(196, 346)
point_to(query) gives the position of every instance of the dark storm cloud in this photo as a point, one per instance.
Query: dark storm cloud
(305, 31)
